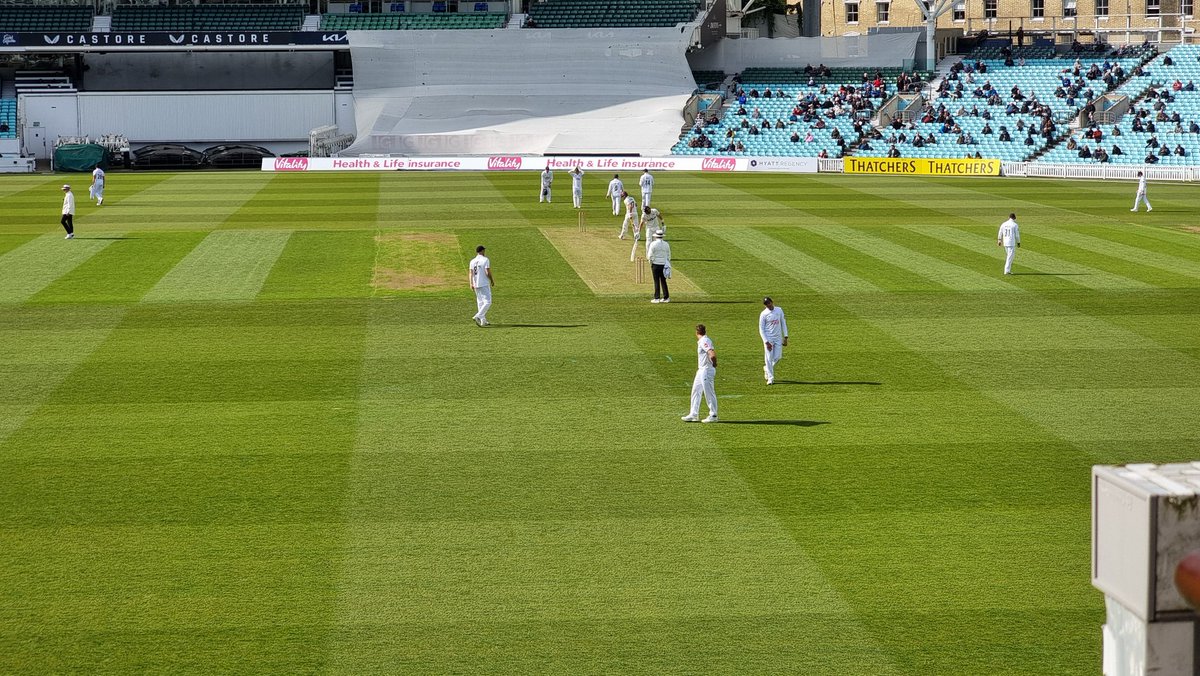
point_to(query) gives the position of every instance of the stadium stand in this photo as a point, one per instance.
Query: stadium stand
(815, 112)
(1165, 114)
(207, 17)
(36, 18)
(708, 79)
(438, 21)
(1007, 104)
(610, 13)
(8, 118)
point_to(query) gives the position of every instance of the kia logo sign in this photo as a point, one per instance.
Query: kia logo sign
(718, 164)
(291, 164)
(509, 163)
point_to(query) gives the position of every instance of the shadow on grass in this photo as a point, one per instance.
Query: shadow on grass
(111, 238)
(794, 423)
(536, 326)
(696, 260)
(1050, 274)
(714, 302)
(826, 382)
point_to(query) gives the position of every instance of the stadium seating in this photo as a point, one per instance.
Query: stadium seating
(27, 18)
(777, 141)
(8, 116)
(208, 18)
(1156, 74)
(610, 13)
(439, 21)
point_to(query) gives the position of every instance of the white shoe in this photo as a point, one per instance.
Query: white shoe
(484, 322)
(711, 418)
(1133, 210)
(655, 300)
(770, 382)
(1149, 208)
(100, 201)
(666, 300)
(70, 236)
(690, 418)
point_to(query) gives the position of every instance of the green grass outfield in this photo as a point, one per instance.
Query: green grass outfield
(246, 424)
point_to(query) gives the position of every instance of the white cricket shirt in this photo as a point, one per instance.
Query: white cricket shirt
(615, 187)
(1010, 234)
(702, 347)
(479, 267)
(771, 325)
(69, 203)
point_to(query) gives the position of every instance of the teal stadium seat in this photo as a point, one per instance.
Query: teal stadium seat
(32, 19)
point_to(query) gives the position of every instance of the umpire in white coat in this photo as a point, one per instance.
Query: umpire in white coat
(659, 255)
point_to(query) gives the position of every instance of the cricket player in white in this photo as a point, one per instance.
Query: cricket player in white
(631, 218)
(647, 184)
(1009, 237)
(97, 190)
(1140, 197)
(706, 374)
(68, 212)
(480, 276)
(547, 179)
(772, 327)
(652, 221)
(616, 190)
(577, 186)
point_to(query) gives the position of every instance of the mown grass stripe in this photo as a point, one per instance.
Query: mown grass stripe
(1082, 275)
(226, 265)
(32, 267)
(123, 272)
(811, 272)
(1153, 259)
(947, 274)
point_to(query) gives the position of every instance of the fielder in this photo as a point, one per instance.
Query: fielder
(68, 212)
(1140, 197)
(772, 327)
(1009, 237)
(616, 190)
(577, 186)
(547, 179)
(96, 192)
(480, 277)
(706, 375)
(647, 184)
(631, 218)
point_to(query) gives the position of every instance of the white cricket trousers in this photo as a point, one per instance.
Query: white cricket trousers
(97, 190)
(770, 357)
(630, 219)
(544, 195)
(1009, 252)
(577, 197)
(646, 197)
(1140, 198)
(616, 205)
(483, 299)
(703, 386)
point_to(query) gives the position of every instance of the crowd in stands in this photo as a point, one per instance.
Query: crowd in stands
(814, 112)
(1161, 127)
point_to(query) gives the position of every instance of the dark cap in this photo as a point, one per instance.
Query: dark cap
(480, 248)
(767, 299)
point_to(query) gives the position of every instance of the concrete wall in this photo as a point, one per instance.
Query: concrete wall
(187, 71)
(893, 49)
(272, 119)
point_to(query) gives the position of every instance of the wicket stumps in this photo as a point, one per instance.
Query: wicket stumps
(582, 222)
(639, 270)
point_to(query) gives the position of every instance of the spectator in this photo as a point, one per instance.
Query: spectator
(1117, 150)
(1004, 135)
(893, 152)
(795, 137)
(1179, 151)
(1150, 158)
